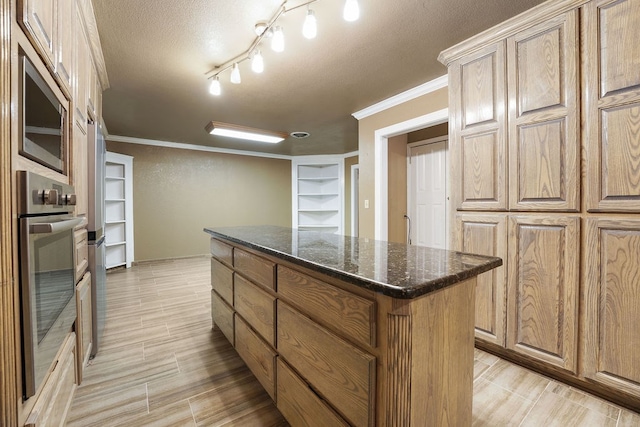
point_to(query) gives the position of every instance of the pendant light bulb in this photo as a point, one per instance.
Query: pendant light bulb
(214, 88)
(235, 74)
(310, 26)
(351, 11)
(277, 43)
(257, 63)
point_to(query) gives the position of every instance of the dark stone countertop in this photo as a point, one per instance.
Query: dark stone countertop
(393, 269)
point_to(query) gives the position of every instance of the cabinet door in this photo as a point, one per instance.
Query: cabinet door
(38, 18)
(544, 148)
(65, 44)
(478, 140)
(612, 102)
(487, 235)
(542, 308)
(612, 303)
(82, 63)
(80, 170)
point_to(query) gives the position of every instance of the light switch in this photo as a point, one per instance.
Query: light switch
(366, 204)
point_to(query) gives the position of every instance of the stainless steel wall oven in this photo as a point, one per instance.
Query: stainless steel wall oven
(47, 280)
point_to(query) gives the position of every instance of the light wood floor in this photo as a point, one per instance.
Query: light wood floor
(161, 364)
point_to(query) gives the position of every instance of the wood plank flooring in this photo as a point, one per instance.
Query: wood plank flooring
(161, 364)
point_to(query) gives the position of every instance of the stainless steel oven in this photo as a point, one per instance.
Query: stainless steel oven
(47, 280)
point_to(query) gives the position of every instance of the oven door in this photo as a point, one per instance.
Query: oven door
(47, 290)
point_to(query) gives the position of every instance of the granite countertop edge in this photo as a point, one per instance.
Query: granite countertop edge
(367, 283)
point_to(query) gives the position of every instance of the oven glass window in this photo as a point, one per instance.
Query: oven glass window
(54, 278)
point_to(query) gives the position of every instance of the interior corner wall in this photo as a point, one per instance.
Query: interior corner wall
(177, 193)
(429, 103)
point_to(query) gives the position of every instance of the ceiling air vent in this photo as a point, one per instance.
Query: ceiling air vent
(299, 135)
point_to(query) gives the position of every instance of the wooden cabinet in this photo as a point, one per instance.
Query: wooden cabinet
(342, 373)
(542, 314)
(612, 303)
(81, 254)
(222, 315)
(80, 171)
(257, 307)
(487, 235)
(82, 74)
(258, 356)
(54, 401)
(222, 280)
(477, 85)
(256, 268)
(39, 19)
(612, 105)
(64, 44)
(544, 116)
(83, 323)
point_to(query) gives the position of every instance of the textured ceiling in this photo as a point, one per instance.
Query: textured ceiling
(157, 53)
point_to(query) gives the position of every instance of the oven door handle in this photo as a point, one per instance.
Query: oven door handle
(54, 227)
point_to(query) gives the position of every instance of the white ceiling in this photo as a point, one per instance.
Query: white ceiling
(158, 52)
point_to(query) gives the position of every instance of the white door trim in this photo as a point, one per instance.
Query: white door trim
(381, 168)
(354, 200)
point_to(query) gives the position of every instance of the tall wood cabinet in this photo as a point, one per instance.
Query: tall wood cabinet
(545, 145)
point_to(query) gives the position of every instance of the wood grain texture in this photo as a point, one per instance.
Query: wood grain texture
(8, 349)
(299, 404)
(612, 303)
(611, 87)
(544, 114)
(255, 268)
(399, 370)
(257, 307)
(222, 251)
(222, 280)
(83, 324)
(258, 356)
(38, 19)
(340, 372)
(341, 311)
(478, 130)
(543, 288)
(64, 54)
(222, 316)
(487, 235)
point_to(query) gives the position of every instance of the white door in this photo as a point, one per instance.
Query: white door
(428, 211)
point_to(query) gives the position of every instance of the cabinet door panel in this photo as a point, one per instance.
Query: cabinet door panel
(612, 303)
(487, 235)
(64, 49)
(477, 141)
(543, 288)
(544, 149)
(256, 306)
(611, 86)
(38, 18)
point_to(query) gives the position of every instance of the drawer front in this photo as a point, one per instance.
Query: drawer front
(81, 253)
(255, 268)
(335, 308)
(222, 251)
(343, 374)
(258, 356)
(222, 280)
(222, 316)
(301, 406)
(257, 307)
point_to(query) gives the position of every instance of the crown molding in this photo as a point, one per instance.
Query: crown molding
(423, 89)
(193, 147)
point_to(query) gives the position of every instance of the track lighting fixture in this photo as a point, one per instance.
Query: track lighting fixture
(310, 26)
(270, 29)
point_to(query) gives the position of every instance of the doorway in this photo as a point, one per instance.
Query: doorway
(427, 193)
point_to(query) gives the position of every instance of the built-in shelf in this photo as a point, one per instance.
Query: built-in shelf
(119, 210)
(317, 193)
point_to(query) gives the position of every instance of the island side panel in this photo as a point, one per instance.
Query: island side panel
(425, 370)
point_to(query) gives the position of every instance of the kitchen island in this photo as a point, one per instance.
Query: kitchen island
(349, 331)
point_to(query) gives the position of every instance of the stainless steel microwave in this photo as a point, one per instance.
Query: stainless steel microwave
(43, 120)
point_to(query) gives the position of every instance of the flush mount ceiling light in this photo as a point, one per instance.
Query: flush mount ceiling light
(244, 132)
(269, 29)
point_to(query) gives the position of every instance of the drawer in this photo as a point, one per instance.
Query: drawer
(255, 268)
(337, 309)
(81, 253)
(301, 406)
(222, 251)
(258, 356)
(222, 280)
(257, 307)
(222, 315)
(342, 373)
